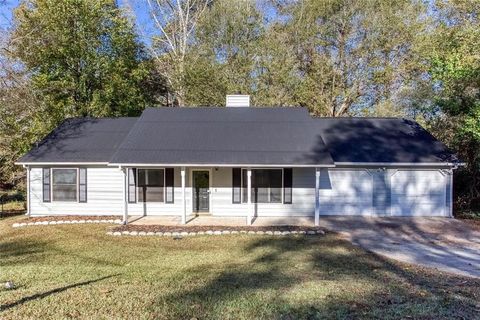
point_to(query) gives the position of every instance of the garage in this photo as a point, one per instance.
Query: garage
(419, 193)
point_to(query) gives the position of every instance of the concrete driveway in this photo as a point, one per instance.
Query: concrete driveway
(446, 244)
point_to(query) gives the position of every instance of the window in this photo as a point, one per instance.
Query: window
(151, 185)
(169, 179)
(266, 185)
(64, 184)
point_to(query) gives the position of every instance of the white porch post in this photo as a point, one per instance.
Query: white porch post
(184, 200)
(125, 196)
(317, 197)
(249, 197)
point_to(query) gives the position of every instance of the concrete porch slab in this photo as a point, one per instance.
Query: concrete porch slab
(220, 221)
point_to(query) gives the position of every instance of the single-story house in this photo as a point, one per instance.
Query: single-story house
(239, 161)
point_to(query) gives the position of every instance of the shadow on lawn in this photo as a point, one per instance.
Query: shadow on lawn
(326, 260)
(15, 252)
(50, 292)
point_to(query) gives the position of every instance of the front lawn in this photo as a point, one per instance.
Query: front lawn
(77, 271)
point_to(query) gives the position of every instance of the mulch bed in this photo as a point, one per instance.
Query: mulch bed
(160, 228)
(71, 218)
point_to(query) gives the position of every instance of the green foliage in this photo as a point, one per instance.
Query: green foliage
(74, 58)
(455, 71)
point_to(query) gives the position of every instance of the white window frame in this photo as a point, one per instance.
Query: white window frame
(77, 183)
(138, 188)
(262, 203)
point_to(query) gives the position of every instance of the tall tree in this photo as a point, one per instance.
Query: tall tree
(455, 72)
(176, 22)
(84, 58)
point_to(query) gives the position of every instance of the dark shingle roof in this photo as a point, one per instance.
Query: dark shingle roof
(263, 136)
(385, 140)
(239, 136)
(81, 140)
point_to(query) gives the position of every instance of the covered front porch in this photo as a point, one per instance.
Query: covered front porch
(221, 195)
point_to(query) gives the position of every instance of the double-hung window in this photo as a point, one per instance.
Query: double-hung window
(150, 185)
(267, 185)
(64, 184)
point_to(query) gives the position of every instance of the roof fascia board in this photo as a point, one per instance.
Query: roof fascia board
(59, 163)
(219, 165)
(400, 164)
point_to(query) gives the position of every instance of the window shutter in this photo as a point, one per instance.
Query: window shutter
(82, 187)
(132, 192)
(46, 184)
(236, 185)
(169, 179)
(287, 185)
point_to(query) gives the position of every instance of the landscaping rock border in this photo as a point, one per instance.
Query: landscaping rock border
(56, 222)
(189, 231)
(213, 233)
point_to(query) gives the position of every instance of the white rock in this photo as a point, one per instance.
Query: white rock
(234, 232)
(125, 232)
(209, 232)
(175, 234)
(285, 233)
(320, 232)
(31, 223)
(260, 232)
(243, 231)
(117, 221)
(81, 221)
(269, 232)
(167, 234)
(116, 233)
(158, 233)
(277, 233)
(226, 232)
(184, 234)
(16, 225)
(150, 233)
(97, 221)
(302, 232)
(110, 221)
(200, 233)
(38, 223)
(251, 232)
(44, 222)
(109, 233)
(217, 232)
(192, 233)
(310, 232)
(142, 233)
(52, 222)
(134, 233)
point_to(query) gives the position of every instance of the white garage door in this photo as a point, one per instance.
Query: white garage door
(418, 193)
(345, 192)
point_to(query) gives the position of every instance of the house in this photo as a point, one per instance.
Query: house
(239, 161)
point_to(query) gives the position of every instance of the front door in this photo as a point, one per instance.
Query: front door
(201, 191)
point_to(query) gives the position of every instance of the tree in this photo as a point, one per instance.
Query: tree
(84, 58)
(176, 22)
(455, 72)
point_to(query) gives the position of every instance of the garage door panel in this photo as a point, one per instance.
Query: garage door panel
(349, 192)
(418, 193)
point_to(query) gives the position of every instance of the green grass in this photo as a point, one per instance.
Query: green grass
(77, 271)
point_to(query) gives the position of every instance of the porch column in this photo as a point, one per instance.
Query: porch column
(125, 198)
(184, 200)
(317, 197)
(249, 197)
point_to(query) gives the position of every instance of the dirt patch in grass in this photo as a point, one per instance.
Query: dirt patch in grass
(69, 218)
(160, 228)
